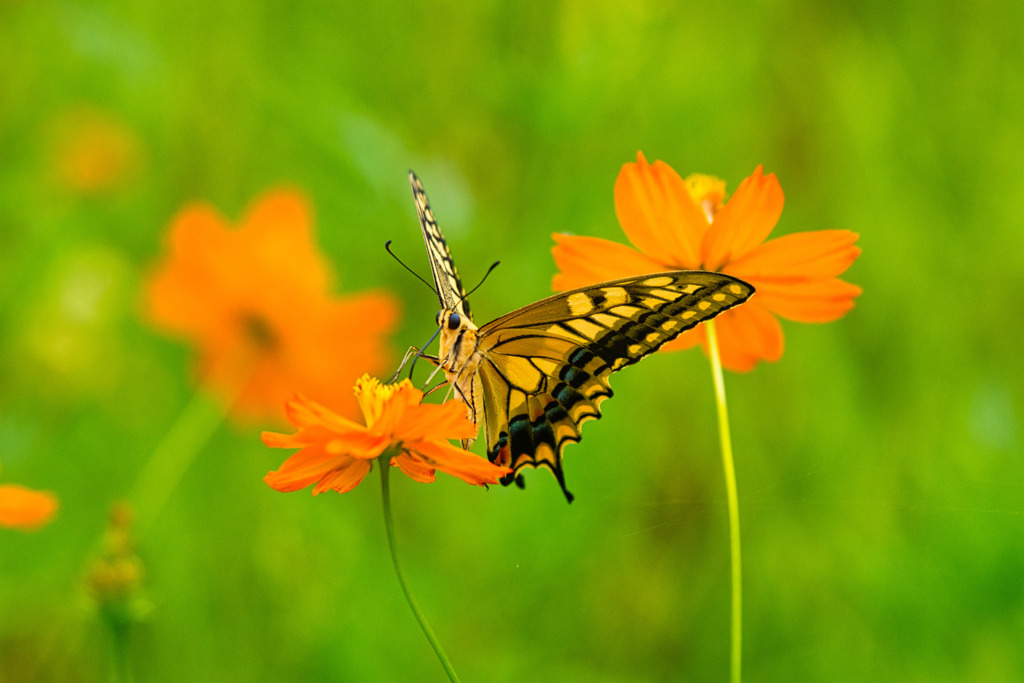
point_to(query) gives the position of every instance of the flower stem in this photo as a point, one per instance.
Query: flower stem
(384, 462)
(173, 456)
(732, 499)
(120, 670)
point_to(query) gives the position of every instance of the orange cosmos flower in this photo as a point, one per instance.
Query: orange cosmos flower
(25, 509)
(254, 301)
(336, 453)
(677, 224)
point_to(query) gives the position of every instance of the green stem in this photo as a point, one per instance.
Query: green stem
(384, 463)
(120, 670)
(732, 499)
(173, 456)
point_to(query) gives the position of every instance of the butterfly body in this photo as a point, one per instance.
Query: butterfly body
(533, 376)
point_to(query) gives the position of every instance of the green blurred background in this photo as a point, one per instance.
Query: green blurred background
(879, 462)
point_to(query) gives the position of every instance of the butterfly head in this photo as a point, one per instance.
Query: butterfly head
(449, 319)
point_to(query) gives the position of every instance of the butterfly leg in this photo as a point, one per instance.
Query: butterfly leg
(414, 354)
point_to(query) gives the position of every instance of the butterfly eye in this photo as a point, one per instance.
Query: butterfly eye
(454, 321)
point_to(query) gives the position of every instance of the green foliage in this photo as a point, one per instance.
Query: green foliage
(879, 462)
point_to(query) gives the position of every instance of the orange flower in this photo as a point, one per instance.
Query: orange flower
(23, 508)
(93, 151)
(677, 224)
(254, 301)
(336, 453)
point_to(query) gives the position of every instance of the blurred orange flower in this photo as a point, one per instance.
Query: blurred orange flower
(677, 224)
(254, 302)
(23, 508)
(93, 151)
(336, 453)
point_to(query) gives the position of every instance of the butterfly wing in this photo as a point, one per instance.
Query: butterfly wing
(446, 277)
(545, 367)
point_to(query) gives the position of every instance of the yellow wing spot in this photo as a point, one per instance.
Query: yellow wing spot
(614, 296)
(736, 289)
(585, 327)
(626, 311)
(670, 325)
(652, 337)
(604, 319)
(580, 303)
(659, 281)
(619, 363)
(689, 314)
(665, 294)
(635, 349)
(719, 297)
(689, 289)
(703, 305)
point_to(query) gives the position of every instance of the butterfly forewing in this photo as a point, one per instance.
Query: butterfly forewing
(446, 276)
(545, 367)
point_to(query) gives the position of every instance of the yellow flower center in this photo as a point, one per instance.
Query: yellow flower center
(372, 397)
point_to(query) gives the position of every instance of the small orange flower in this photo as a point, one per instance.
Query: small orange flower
(254, 301)
(336, 453)
(677, 224)
(23, 508)
(93, 151)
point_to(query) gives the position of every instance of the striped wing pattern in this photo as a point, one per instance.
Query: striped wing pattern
(446, 276)
(546, 367)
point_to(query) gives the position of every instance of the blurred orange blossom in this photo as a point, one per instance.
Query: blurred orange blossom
(336, 453)
(93, 151)
(677, 224)
(23, 508)
(254, 302)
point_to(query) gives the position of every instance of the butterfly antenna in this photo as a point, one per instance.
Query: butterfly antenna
(482, 280)
(387, 248)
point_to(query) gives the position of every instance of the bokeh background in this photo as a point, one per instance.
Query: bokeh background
(880, 464)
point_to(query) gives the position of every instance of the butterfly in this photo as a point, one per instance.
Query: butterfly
(533, 376)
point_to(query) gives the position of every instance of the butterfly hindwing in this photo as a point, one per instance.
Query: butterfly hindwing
(545, 367)
(446, 276)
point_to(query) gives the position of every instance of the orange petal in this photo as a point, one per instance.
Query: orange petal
(687, 340)
(745, 220)
(25, 509)
(658, 214)
(432, 421)
(275, 440)
(345, 479)
(278, 231)
(748, 334)
(414, 469)
(303, 412)
(197, 229)
(819, 254)
(457, 462)
(585, 261)
(814, 301)
(305, 467)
